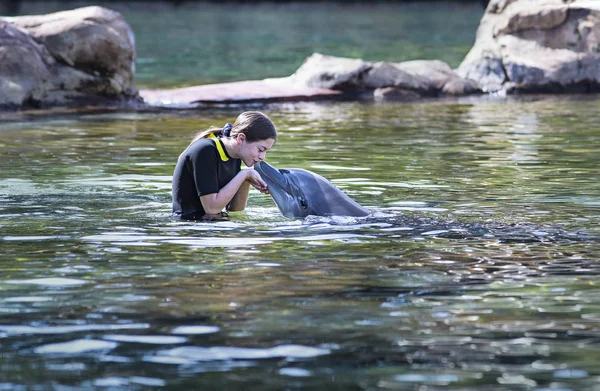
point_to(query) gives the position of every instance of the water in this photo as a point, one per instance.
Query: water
(478, 268)
(199, 43)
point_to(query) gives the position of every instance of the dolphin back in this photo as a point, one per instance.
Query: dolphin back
(324, 198)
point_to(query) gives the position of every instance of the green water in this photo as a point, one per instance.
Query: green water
(208, 43)
(478, 268)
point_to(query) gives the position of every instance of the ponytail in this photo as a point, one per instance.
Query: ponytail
(254, 124)
(206, 133)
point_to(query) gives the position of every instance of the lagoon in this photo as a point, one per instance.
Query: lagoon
(476, 270)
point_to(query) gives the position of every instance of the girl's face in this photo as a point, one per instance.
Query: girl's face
(253, 152)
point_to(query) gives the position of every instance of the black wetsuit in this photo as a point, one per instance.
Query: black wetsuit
(203, 168)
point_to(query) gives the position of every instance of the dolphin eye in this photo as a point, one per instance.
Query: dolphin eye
(303, 203)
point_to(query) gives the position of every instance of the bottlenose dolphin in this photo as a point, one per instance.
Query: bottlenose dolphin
(299, 193)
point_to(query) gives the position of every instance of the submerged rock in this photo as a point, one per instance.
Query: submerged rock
(382, 80)
(72, 58)
(549, 46)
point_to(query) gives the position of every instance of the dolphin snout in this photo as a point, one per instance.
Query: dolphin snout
(265, 170)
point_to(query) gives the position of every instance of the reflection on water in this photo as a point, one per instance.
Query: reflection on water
(477, 268)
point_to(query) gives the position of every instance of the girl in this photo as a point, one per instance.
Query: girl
(208, 175)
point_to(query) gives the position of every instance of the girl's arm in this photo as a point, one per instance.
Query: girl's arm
(240, 199)
(237, 188)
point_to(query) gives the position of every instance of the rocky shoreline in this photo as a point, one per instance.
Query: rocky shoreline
(86, 58)
(72, 58)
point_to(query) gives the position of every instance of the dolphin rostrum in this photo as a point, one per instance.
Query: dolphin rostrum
(299, 193)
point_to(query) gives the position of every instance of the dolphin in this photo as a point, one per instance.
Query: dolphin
(299, 193)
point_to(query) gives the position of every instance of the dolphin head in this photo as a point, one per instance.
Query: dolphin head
(299, 193)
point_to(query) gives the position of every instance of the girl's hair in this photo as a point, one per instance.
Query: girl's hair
(254, 124)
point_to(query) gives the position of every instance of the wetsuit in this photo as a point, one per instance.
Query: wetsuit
(203, 168)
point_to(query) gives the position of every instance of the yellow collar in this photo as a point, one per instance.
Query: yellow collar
(222, 153)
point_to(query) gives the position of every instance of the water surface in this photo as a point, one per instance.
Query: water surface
(478, 268)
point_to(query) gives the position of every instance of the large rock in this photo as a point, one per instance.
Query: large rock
(83, 56)
(337, 73)
(25, 67)
(541, 46)
(382, 80)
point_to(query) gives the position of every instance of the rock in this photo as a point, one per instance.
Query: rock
(83, 56)
(395, 94)
(384, 74)
(384, 80)
(440, 76)
(239, 92)
(552, 46)
(25, 67)
(336, 73)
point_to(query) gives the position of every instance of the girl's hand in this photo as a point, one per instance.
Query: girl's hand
(256, 181)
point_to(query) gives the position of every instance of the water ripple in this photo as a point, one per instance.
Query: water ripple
(229, 353)
(196, 330)
(146, 339)
(50, 281)
(19, 329)
(75, 347)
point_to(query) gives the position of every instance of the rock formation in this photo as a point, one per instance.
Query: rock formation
(72, 58)
(542, 46)
(382, 80)
(87, 57)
